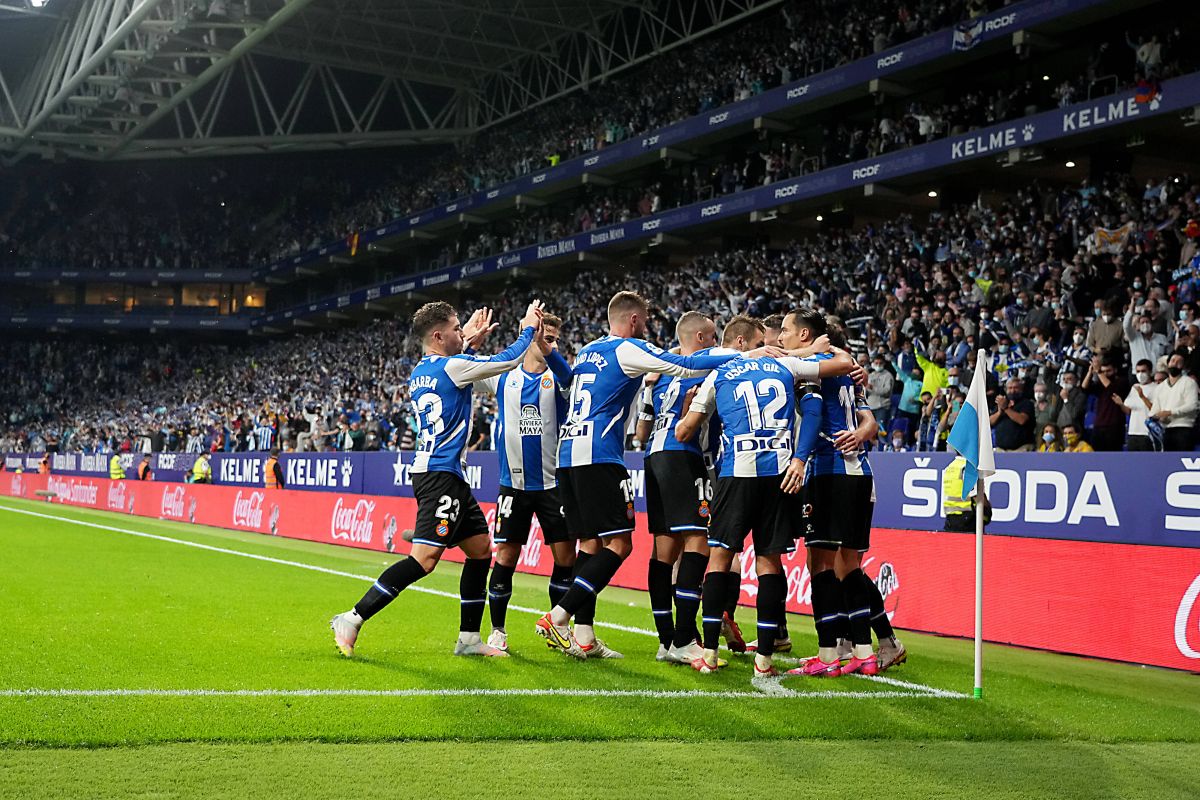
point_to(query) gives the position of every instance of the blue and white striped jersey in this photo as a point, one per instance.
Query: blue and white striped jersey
(530, 410)
(604, 387)
(840, 401)
(755, 401)
(264, 436)
(666, 409)
(440, 388)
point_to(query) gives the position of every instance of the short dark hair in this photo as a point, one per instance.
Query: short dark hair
(274, 451)
(741, 325)
(811, 319)
(430, 316)
(1144, 362)
(775, 321)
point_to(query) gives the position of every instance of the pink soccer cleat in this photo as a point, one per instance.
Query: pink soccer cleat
(863, 666)
(816, 668)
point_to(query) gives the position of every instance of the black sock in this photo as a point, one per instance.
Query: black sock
(658, 580)
(783, 630)
(879, 618)
(499, 592)
(472, 586)
(687, 597)
(394, 580)
(560, 581)
(827, 607)
(714, 607)
(589, 582)
(858, 608)
(586, 615)
(771, 589)
(733, 591)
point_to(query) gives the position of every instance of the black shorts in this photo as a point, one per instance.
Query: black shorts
(838, 510)
(597, 500)
(514, 516)
(447, 513)
(758, 506)
(678, 492)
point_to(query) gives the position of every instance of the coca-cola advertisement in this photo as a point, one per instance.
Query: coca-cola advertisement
(927, 577)
(173, 499)
(248, 510)
(352, 522)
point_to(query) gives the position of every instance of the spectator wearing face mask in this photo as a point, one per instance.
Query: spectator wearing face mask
(1073, 442)
(1077, 356)
(1106, 334)
(1137, 405)
(1073, 403)
(1175, 406)
(1103, 381)
(1046, 405)
(1052, 441)
(910, 400)
(1012, 419)
(935, 373)
(880, 386)
(1144, 343)
(896, 443)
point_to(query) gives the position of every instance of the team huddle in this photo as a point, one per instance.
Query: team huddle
(774, 407)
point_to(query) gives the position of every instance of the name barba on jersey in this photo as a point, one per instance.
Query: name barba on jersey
(422, 382)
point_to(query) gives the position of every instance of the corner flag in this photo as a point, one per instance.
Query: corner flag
(971, 435)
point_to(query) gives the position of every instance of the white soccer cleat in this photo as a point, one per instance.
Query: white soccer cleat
(345, 634)
(478, 649)
(662, 654)
(891, 652)
(559, 637)
(686, 654)
(598, 649)
(498, 639)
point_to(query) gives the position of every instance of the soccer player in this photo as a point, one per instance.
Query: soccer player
(755, 403)
(597, 491)
(678, 498)
(531, 406)
(447, 514)
(839, 497)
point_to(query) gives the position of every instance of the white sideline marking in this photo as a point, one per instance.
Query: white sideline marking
(916, 689)
(643, 693)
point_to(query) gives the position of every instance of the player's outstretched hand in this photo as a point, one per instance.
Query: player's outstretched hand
(533, 315)
(651, 379)
(769, 351)
(478, 327)
(793, 476)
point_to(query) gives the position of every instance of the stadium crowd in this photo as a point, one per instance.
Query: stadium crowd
(1084, 296)
(222, 217)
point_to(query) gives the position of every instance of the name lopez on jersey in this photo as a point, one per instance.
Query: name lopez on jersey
(592, 358)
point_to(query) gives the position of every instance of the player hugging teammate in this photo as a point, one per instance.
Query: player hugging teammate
(784, 426)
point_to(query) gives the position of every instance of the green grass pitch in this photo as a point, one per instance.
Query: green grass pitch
(145, 666)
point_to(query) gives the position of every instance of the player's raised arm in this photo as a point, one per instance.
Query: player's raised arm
(825, 365)
(638, 357)
(464, 369)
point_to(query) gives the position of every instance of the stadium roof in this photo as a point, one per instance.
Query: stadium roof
(118, 79)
